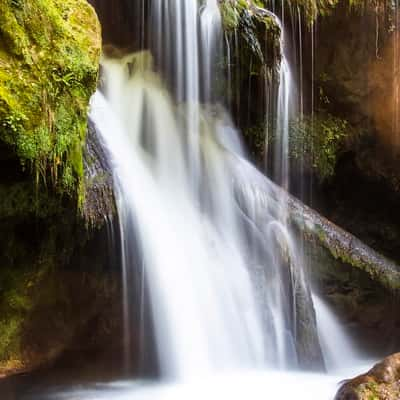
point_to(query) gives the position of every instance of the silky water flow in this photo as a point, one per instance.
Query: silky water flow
(204, 230)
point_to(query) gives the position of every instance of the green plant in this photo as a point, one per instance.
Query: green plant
(48, 70)
(316, 141)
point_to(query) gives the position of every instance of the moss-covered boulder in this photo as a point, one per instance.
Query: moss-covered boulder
(49, 62)
(252, 60)
(49, 312)
(382, 382)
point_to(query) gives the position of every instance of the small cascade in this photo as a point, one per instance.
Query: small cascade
(337, 348)
(211, 45)
(175, 45)
(284, 114)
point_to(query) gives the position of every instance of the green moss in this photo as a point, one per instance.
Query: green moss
(255, 137)
(36, 240)
(255, 28)
(49, 55)
(312, 9)
(342, 250)
(19, 292)
(371, 391)
(253, 60)
(316, 142)
(22, 200)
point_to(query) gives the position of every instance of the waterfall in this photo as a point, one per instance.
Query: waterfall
(175, 43)
(205, 237)
(216, 302)
(223, 287)
(201, 296)
(337, 348)
(284, 113)
(211, 44)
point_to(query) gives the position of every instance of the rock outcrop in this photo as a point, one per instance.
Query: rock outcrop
(358, 281)
(49, 64)
(49, 58)
(382, 382)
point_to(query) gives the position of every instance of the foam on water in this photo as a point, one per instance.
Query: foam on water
(263, 385)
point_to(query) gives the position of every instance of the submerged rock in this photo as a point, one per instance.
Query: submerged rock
(382, 382)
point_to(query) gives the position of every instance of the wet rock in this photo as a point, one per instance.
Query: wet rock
(382, 382)
(116, 20)
(343, 246)
(253, 45)
(357, 78)
(359, 282)
(69, 312)
(99, 201)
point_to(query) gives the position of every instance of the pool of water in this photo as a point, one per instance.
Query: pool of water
(246, 385)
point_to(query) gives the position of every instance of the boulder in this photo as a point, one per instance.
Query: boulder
(49, 65)
(382, 382)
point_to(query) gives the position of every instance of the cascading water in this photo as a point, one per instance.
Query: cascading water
(333, 337)
(224, 290)
(284, 113)
(221, 325)
(204, 312)
(211, 44)
(201, 227)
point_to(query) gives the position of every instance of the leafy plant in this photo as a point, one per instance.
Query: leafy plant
(316, 141)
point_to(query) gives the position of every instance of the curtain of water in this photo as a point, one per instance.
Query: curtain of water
(224, 276)
(204, 311)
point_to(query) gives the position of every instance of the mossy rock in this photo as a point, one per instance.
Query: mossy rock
(49, 268)
(381, 382)
(312, 9)
(252, 62)
(49, 62)
(39, 322)
(316, 142)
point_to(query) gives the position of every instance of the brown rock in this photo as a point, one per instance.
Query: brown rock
(382, 382)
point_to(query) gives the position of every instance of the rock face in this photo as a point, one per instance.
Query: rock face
(352, 146)
(49, 63)
(253, 37)
(49, 58)
(99, 197)
(382, 382)
(357, 78)
(116, 19)
(359, 282)
(357, 69)
(49, 314)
